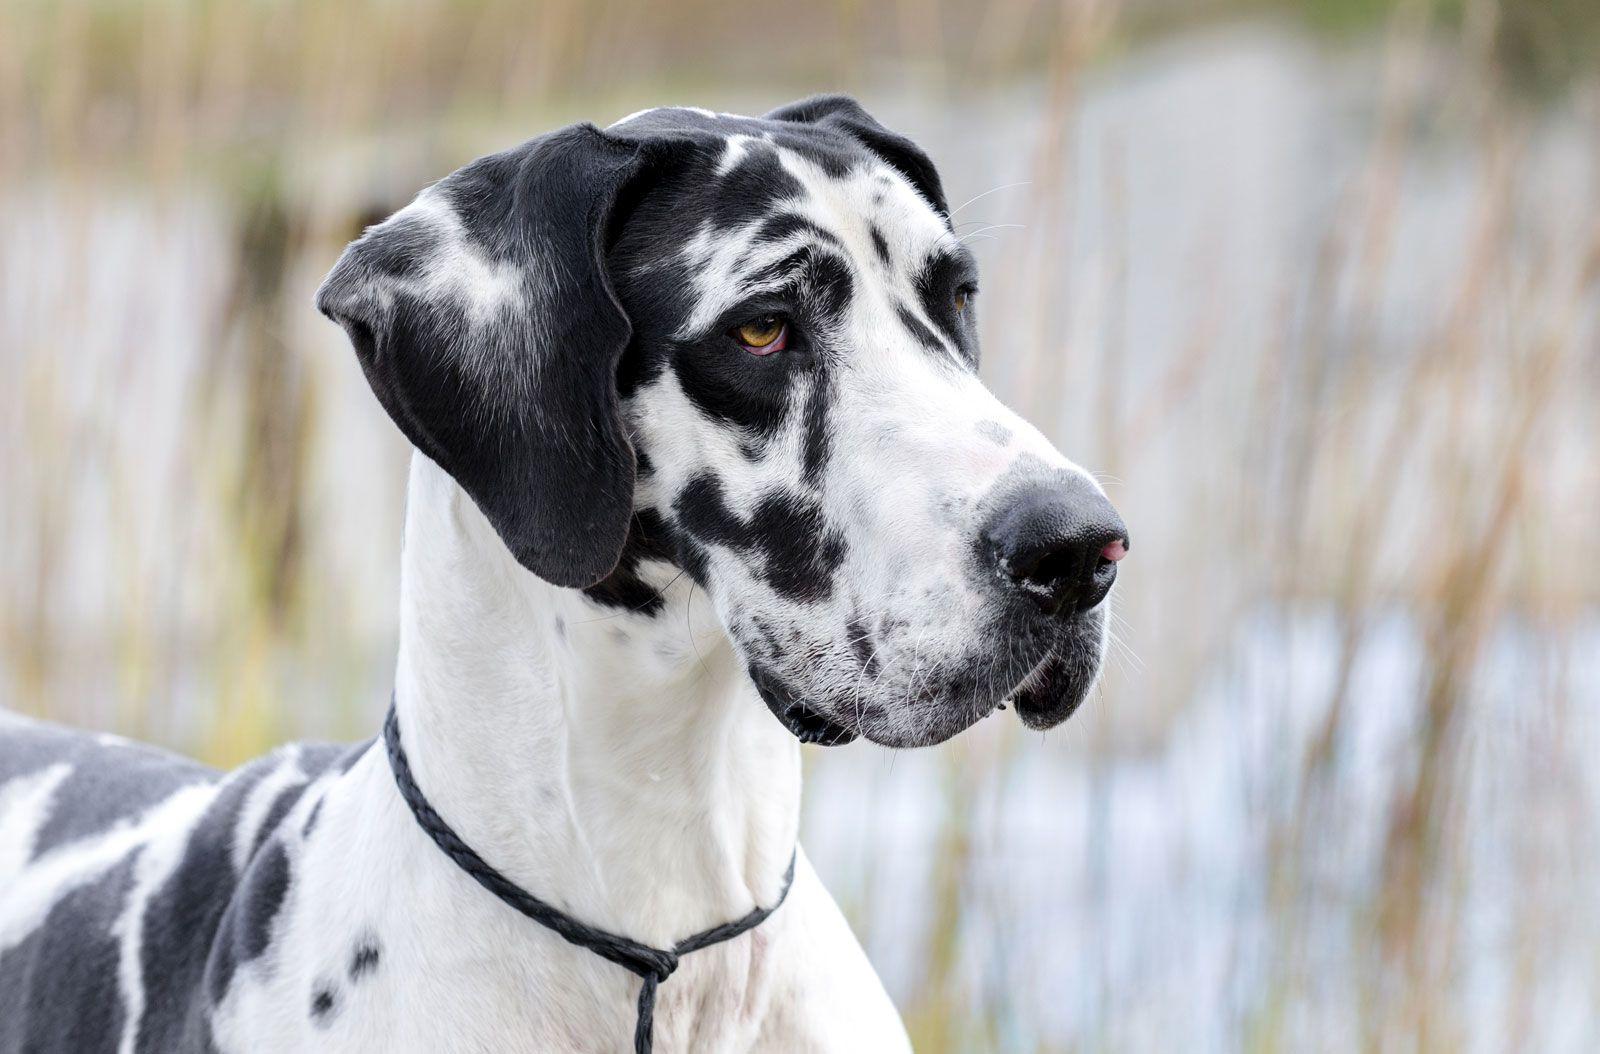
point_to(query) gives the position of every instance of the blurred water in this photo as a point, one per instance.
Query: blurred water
(1113, 883)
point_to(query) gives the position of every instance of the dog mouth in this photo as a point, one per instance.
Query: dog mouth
(1053, 690)
(810, 726)
(804, 721)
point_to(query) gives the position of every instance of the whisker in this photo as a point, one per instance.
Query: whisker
(986, 228)
(991, 190)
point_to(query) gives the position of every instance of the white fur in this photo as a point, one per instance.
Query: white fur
(26, 803)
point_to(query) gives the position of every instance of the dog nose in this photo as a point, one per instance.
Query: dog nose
(1059, 543)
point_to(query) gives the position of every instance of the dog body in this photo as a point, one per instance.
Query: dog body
(701, 444)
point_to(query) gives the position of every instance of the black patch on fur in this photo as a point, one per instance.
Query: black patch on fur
(787, 224)
(67, 972)
(246, 927)
(925, 336)
(802, 552)
(695, 561)
(730, 385)
(995, 432)
(311, 818)
(649, 538)
(364, 959)
(830, 287)
(322, 1006)
(817, 276)
(181, 919)
(817, 438)
(58, 986)
(844, 114)
(799, 552)
(206, 919)
(280, 807)
(863, 645)
(751, 190)
(881, 244)
(108, 782)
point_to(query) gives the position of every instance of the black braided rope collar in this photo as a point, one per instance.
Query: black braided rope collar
(653, 965)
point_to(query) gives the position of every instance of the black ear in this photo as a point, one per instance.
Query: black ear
(486, 324)
(844, 113)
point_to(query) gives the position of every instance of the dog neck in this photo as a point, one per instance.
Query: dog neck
(617, 765)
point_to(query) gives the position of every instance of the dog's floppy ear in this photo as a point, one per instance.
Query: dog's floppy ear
(844, 113)
(486, 324)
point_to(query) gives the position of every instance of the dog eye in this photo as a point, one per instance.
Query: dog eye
(963, 295)
(762, 336)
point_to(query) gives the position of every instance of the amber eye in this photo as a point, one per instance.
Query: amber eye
(762, 336)
(960, 300)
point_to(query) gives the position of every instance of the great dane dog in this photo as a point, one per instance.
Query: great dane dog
(703, 470)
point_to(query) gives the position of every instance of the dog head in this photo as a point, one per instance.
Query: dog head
(745, 350)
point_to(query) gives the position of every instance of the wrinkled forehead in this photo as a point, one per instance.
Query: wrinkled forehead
(759, 202)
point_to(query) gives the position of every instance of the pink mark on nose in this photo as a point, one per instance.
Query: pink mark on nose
(1114, 551)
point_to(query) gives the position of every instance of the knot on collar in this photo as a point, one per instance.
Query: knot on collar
(652, 965)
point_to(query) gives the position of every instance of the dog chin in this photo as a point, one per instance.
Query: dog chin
(1055, 688)
(935, 721)
(810, 724)
(1053, 691)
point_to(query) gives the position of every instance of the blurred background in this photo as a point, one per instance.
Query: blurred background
(1312, 284)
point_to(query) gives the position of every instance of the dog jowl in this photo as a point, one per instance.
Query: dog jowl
(744, 350)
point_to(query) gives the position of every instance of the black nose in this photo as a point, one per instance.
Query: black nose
(1059, 543)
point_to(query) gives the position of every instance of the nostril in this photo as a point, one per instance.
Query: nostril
(1053, 571)
(1067, 576)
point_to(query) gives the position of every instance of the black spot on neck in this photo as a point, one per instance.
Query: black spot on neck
(881, 244)
(312, 817)
(323, 1002)
(364, 958)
